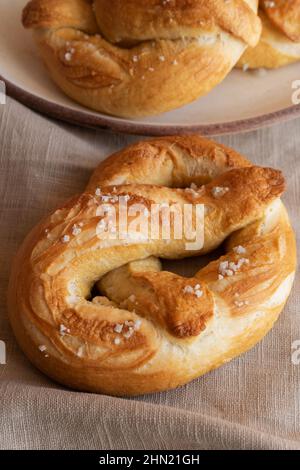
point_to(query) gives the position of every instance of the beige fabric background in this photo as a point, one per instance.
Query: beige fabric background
(251, 403)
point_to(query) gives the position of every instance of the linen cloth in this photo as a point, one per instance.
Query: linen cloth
(250, 403)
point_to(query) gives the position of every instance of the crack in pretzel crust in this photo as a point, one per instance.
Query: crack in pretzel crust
(134, 58)
(146, 329)
(280, 40)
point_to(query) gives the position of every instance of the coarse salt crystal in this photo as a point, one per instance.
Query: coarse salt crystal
(118, 328)
(240, 250)
(137, 324)
(76, 230)
(68, 56)
(188, 290)
(63, 330)
(219, 191)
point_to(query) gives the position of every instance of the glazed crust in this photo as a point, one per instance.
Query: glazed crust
(280, 40)
(285, 14)
(148, 329)
(135, 58)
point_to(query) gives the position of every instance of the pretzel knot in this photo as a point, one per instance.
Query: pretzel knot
(98, 313)
(132, 58)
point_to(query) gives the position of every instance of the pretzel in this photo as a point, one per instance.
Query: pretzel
(99, 314)
(280, 40)
(130, 58)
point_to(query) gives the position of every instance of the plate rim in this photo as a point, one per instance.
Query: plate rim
(84, 119)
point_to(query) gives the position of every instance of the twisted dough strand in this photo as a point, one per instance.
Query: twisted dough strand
(135, 58)
(280, 40)
(285, 15)
(149, 329)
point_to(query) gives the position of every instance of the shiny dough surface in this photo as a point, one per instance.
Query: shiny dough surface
(101, 315)
(130, 58)
(280, 40)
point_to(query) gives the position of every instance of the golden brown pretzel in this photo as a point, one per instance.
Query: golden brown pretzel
(280, 40)
(133, 58)
(146, 329)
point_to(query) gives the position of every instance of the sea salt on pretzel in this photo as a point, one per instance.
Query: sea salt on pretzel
(135, 58)
(143, 329)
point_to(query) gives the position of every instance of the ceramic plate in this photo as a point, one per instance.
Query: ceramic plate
(244, 101)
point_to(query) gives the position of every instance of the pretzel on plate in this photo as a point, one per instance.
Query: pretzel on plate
(280, 40)
(134, 58)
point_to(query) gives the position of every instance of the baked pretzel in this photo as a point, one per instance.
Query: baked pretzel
(143, 329)
(134, 58)
(280, 40)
